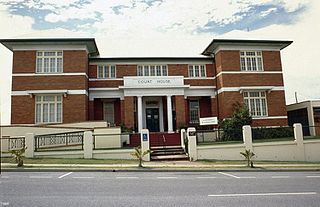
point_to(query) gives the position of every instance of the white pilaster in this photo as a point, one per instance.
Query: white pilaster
(144, 136)
(192, 144)
(87, 145)
(140, 113)
(247, 137)
(29, 144)
(169, 112)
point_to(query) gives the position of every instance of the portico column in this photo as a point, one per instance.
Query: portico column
(139, 113)
(169, 112)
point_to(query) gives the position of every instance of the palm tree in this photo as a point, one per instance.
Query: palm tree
(18, 156)
(139, 154)
(248, 156)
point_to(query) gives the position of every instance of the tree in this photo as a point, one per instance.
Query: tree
(139, 154)
(248, 156)
(232, 127)
(18, 156)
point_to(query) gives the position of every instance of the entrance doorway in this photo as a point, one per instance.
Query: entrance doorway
(152, 119)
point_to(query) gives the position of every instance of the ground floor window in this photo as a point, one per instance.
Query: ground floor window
(108, 111)
(48, 109)
(194, 111)
(256, 102)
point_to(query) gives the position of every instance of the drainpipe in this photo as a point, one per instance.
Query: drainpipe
(216, 81)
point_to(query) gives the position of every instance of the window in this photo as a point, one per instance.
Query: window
(251, 61)
(256, 102)
(152, 70)
(48, 109)
(197, 71)
(108, 111)
(106, 71)
(194, 111)
(49, 62)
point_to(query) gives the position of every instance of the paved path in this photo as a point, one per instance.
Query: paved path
(160, 189)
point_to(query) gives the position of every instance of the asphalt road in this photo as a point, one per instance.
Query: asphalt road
(160, 189)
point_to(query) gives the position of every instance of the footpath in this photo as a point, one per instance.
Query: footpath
(164, 166)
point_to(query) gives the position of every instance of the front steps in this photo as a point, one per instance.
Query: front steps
(168, 153)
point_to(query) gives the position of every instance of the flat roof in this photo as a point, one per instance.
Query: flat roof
(89, 42)
(216, 42)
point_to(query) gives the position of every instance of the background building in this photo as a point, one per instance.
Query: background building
(65, 80)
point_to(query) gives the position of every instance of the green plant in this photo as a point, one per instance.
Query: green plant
(125, 129)
(18, 156)
(248, 156)
(232, 127)
(139, 154)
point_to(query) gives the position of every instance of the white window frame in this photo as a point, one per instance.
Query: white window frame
(39, 100)
(257, 102)
(248, 57)
(152, 70)
(191, 121)
(192, 71)
(40, 57)
(105, 74)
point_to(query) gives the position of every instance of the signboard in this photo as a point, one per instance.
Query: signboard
(145, 137)
(208, 121)
(156, 81)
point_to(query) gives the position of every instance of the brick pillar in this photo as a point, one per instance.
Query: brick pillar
(214, 107)
(129, 111)
(122, 110)
(180, 111)
(91, 110)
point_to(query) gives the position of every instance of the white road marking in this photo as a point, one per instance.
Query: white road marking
(262, 194)
(229, 175)
(313, 176)
(4, 176)
(280, 176)
(166, 177)
(64, 175)
(40, 176)
(206, 177)
(82, 177)
(127, 177)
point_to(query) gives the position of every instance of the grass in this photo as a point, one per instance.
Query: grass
(234, 162)
(273, 139)
(69, 161)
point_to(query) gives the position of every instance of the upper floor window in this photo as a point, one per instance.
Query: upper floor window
(256, 101)
(106, 71)
(152, 70)
(49, 62)
(197, 71)
(48, 109)
(251, 60)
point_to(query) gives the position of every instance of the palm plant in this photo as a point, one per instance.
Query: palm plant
(248, 156)
(139, 154)
(18, 156)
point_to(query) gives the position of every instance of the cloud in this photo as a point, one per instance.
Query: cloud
(267, 12)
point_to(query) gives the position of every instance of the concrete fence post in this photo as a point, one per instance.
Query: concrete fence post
(145, 143)
(298, 138)
(29, 143)
(247, 137)
(182, 134)
(88, 145)
(192, 144)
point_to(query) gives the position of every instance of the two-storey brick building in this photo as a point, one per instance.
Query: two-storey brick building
(65, 80)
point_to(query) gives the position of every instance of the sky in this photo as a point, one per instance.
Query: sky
(141, 28)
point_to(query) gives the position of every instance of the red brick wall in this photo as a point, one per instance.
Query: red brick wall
(261, 79)
(269, 122)
(24, 62)
(276, 103)
(105, 83)
(271, 60)
(178, 70)
(72, 113)
(92, 71)
(49, 83)
(98, 109)
(91, 110)
(226, 103)
(22, 110)
(180, 111)
(75, 61)
(117, 112)
(214, 109)
(227, 61)
(205, 107)
(126, 70)
(197, 82)
(129, 111)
